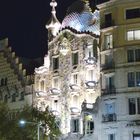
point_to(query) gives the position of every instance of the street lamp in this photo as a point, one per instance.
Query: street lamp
(23, 122)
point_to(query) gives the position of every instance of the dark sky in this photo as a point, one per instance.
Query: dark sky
(23, 22)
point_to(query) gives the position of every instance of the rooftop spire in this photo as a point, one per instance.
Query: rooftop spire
(53, 24)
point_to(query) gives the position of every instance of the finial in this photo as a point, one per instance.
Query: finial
(53, 4)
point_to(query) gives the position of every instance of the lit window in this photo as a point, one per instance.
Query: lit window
(133, 35)
(55, 63)
(108, 42)
(133, 13)
(134, 106)
(110, 108)
(75, 58)
(89, 51)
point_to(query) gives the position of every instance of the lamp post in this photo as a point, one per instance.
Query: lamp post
(23, 122)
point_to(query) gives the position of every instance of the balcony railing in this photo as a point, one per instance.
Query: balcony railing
(107, 66)
(108, 91)
(91, 61)
(107, 24)
(109, 117)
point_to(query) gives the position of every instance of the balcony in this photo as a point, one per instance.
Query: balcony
(108, 91)
(91, 61)
(109, 117)
(74, 88)
(107, 24)
(91, 84)
(107, 66)
(88, 107)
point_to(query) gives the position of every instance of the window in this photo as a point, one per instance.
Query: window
(90, 127)
(133, 55)
(56, 83)
(75, 125)
(136, 136)
(133, 79)
(133, 35)
(109, 82)
(75, 58)
(133, 13)
(89, 51)
(108, 20)
(108, 42)
(55, 63)
(91, 76)
(75, 79)
(110, 108)
(134, 106)
(111, 137)
(14, 97)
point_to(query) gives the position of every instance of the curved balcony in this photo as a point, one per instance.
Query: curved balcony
(55, 113)
(91, 61)
(74, 88)
(74, 110)
(55, 91)
(41, 93)
(91, 84)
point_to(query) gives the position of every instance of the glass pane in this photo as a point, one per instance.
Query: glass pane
(137, 34)
(130, 35)
(138, 78)
(138, 105)
(131, 79)
(130, 55)
(132, 106)
(75, 58)
(137, 54)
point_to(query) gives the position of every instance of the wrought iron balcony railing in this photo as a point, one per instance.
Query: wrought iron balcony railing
(109, 117)
(108, 91)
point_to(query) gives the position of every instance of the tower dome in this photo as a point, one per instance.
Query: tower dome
(80, 18)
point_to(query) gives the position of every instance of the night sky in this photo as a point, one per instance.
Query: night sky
(23, 22)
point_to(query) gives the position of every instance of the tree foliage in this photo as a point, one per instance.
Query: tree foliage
(10, 129)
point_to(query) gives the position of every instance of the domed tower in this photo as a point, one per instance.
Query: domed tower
(53, 24)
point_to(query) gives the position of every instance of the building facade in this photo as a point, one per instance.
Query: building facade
(91, 74)
(16, 88)
(119, 106)
(69, 79)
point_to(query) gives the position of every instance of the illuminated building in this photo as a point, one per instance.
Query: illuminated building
(69, 79)
(119, 107)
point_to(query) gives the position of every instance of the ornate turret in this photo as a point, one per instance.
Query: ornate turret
(53, 24)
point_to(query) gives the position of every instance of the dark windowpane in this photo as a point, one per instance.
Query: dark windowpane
(130, 55)
(14, 97)
(132, 106)
(75, 58)
(76, 125)
(137, 54)
(131, 79)
(55, 63)
(133, 13)
(138, 78)
(108, 20)
(138, 105)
